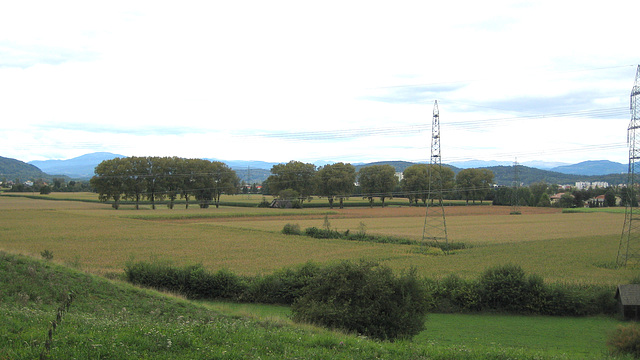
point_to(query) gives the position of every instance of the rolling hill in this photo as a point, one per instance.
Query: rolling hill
(12, 169)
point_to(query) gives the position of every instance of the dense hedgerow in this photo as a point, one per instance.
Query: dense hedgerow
(318, 233)
(192, 281)
(503, 288)
(507, 288)
(365, 298)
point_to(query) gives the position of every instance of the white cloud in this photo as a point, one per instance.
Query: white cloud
(181, 79)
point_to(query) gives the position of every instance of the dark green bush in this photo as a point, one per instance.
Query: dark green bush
(366, 298)
(625, 341)
(454, 294)
(314, 232)
(281, 287)
(159, 275)
(192, 281)
(291, 229)
(503, 288)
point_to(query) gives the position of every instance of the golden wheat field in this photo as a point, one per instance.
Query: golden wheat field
(575, 248)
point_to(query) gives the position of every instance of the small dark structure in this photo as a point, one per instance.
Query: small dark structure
(628, 297)
(281, 203)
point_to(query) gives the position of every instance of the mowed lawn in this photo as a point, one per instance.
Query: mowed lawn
(575, 248)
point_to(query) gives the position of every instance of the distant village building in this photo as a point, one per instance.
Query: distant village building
(556, 197)
(583, 185)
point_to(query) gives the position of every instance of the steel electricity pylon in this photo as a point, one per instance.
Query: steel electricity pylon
(629, 249)
(515, 201)
(435, 224)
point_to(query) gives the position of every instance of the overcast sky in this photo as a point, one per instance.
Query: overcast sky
(318, 80)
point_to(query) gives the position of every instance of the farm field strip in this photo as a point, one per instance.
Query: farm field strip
(576, 248)
(473, 229)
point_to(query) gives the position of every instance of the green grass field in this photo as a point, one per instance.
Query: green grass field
(562, 247)
(114, 320)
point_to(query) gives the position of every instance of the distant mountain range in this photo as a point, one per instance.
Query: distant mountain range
(82, 167)
(79, 167)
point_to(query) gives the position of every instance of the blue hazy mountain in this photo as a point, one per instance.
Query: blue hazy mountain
(593, 167)
(78, 167)
(252, 171)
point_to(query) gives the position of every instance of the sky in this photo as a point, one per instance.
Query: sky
(350, 81)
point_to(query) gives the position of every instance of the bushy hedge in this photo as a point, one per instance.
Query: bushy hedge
(366, 298)
(506, 288)
(317, 233)
(192, 281)
(503, 288)
(362, 297)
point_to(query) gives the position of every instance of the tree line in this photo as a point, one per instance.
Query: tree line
(298, 181)
(169, 178)
(158, 178)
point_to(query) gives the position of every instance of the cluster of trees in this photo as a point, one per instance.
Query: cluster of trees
(43, 186)
(469, 184)
(159, 178)
(298, 181)
(539, 194)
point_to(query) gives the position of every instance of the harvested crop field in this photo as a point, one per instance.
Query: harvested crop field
(577, 247)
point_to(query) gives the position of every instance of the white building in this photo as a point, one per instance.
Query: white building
(581, 185)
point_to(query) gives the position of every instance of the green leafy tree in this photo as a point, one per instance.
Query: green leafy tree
(566, 201)
(377, 181)
(189, 171)
(225, 181)
(336, 180)
(171, 177)
(135, 175)
(58, 183)
(610, 198)
(544, 201)
(537, 189)
(293, 175)
(418, 179)
(415, 182)
(109, 180)
(202, 183)
(465, 182)
(474, 184)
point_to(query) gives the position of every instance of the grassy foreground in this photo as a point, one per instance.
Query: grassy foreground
(112, 320)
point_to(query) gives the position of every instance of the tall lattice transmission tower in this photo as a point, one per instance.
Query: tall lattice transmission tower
(435, 224)
(629, 249)
(515, 200)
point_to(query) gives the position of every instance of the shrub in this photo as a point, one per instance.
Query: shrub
(314, 232)
(503, 288)
(506, 288)
(625, 341)
(282, 287)
(264, 203)
(456, 295)
(46, 254)
(366, 298)
(291, 229)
